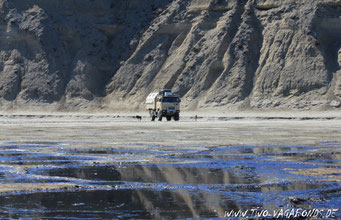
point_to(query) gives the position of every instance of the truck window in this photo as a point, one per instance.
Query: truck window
(170, 99)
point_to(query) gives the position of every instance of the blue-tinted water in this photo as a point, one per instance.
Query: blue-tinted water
(115, 182)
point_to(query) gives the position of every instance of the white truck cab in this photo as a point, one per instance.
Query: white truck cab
(163, 104)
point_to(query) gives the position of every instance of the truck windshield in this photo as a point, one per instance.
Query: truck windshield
(170, 99)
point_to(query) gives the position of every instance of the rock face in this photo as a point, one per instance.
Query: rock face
(70, 54)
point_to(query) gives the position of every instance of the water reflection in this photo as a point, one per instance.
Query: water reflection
(24, 158)
(157, 174)
(293, 153)
(141, 204)
(144, 203)
(260, 149)
(12, 156)
(186, 183)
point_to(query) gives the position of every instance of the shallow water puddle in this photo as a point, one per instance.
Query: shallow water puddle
(30, 144)
(35, 157)
(141, 204)
(156, 174)
(144, 203)
(171, 182)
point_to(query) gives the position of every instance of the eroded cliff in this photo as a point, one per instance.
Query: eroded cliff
(111, 53)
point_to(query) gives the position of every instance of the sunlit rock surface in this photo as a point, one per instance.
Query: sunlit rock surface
(237, 54)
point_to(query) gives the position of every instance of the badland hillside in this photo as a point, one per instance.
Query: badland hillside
(109, 54)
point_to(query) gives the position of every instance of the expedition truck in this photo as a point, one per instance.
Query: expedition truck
(163, 104)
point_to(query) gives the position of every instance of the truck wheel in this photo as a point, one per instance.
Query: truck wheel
(176, 117)
(153, 118)
(159, 115)
(169, 118)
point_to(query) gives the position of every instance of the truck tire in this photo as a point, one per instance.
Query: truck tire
(159, 115)
(176, 117)
(153, 118)
(169, 118)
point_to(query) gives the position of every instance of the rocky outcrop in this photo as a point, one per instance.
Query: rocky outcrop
(214, 53)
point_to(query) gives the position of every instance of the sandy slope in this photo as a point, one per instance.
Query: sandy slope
(112, 54)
